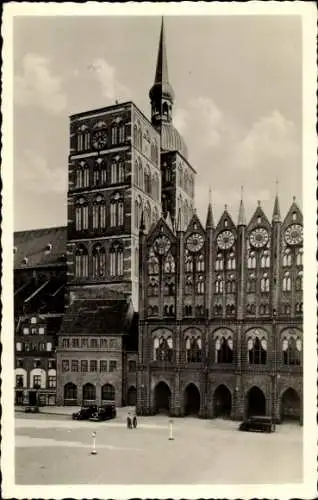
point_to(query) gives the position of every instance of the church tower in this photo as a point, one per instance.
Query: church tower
(178, 176)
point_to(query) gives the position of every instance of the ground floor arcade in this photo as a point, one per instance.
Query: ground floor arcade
(263, 397)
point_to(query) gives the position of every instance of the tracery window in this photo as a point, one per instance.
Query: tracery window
(200, 263)
(153, 287)
(99, 213)
(169, 264)
(147, 216)
(223, 346)
(147, 180)
(231, 262)
(117, 170)
(291, 348)
(82, 175)
(81, 262)
(251, 283)
(286, 282)
(163, 346)
(231, 285)
(287, 258)
(188, 289)
(265, 259)
(193, 348)
(188, 263)
(251, 261)
(219, 285)
(200, 285)
(81, 214)
(116, 260)
(153, 263)
(219, 263)
(299, 257)
(99, 261)
(265, 283)
(138, 211)
(116, 211)
(257, 348)
(299, 281)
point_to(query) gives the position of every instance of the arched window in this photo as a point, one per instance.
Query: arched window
(219, 285)
(251, 261)
(153, 264)
(168, 288)
(116, 260)
(231, 284)
(188, 289)
(193, 349)
(167, 174)
(200, 285)
(116, 211)
(188, 310)
(153, 287)
(200, 263)
(218, 309)
(189, 263)
(147, 180)
(219, 263)
(257, 350)
(265, 283)
(251, 283)
(138, 211)
(117, 170)
(265, 259)
(155, 187)
(108, 392)
(99, 261)
(231, 262)
(287, 260)
(299, 257)
(286, 282)
(99, 213)
(292, 348)
(81, 262)
(81, 214)
(147, 216)
(163, 347)
(299, 281)
(299, 308)
(223, 347)
(169, 264)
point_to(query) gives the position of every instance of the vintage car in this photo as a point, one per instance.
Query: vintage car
(31, 409)
(258, 424)
(105, 412)
(84, 413)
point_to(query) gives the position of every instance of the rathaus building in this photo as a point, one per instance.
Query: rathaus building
(136, 301)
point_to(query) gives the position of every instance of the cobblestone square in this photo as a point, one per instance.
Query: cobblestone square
(56, 450)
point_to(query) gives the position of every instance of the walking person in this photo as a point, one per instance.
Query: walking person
(129, 423)
(135, 421)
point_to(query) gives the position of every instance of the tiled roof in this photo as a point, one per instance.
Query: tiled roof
(98, 317)
(41, 247)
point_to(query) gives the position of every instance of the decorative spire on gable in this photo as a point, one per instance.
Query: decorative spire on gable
(276, 211)
(241, 216)
(209, 218)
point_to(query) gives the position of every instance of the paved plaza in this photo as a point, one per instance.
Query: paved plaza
(53, 449)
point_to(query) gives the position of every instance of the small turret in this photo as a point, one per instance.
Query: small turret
(209, 218)
(241, 216)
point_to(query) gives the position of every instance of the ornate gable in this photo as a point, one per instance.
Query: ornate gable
(225, 222)
(195, 225)
(294, 215)
(159, 230)
(258, 219)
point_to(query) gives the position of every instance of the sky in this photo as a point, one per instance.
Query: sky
(238, 87)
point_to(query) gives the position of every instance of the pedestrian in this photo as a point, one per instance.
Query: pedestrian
(129, 426)
(135, 421)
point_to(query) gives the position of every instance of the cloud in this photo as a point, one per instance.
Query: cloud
(37, 86)
(32, 171)
(271, 141)
(106, 76)
(201, 122)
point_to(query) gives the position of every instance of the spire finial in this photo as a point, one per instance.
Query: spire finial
(277, 184)
(209, 218)
(210, 194)
(259, 202)
(241, 215)
(294, 198)
(242, 192)
(225, 206)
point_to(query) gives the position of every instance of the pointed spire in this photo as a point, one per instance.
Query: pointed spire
(276, 211)
(179, 222)
(162, 62)
(209, 218)
(241, 215)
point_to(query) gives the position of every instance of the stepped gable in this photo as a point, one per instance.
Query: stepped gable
(98, 316)
(41, 247)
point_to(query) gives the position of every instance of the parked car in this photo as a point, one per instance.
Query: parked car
(84, 413)
(258, 424)
(31, 409)
(105, 412)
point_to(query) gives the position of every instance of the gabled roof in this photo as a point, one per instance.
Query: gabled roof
(225, 217)
(160, 228)
(40, 247)
(98, 316)
(254, 219)
(195, 223)
(294, 215)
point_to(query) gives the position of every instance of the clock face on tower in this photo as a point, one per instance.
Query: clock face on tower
(195, 242)
(100, 139)
(225, 240)
(259, 237)
(162, 245)
(294, 234)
